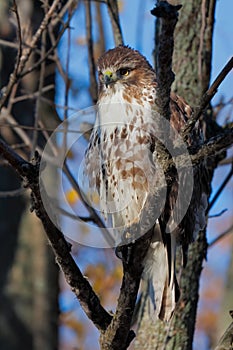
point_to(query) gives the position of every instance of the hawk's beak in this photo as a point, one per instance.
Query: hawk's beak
(109, 78)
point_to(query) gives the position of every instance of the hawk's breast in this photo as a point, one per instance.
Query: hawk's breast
(119, 162)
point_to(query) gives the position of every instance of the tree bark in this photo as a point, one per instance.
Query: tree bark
(192, 66)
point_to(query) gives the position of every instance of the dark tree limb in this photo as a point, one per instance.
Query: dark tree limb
(114, 16)
(168, 15)
(213, 146)
(118, 336)
(80, 286)
(209, 149)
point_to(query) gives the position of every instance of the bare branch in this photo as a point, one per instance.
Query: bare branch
(12, 193)
(226, 161)
(221, 188)
(19, 34)
(8, 44)
(47, 54)
(221, 236)
(207, 98)
(40, 87)
(93, 82)
(79, 284)
(218, 214)
(32, 95)
(225, 342)
(114, 16)
(27, 127)
(212, 146)
(26, 52)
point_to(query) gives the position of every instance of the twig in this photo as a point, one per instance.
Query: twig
(46, 55)
(19, 35)
(12, 193)
(79, 285)
(206, 99)
(27, 127)
(40, 87)
(217, 215)
(114, 16)
(8, 44)
(92, 69)
(13, 123)
(67, 86)
(226, 161)
(32, 95)
(221, 188)
(221, 236)
(71, 5)
(26, 52)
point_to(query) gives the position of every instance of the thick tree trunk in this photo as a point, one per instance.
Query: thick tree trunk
(192, 66)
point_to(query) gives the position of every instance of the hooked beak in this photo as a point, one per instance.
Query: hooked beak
(109, 78)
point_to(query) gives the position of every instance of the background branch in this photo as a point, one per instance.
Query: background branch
(26, 52)
(205, 100)
(79, 284)
(226, 340)
(114, 16)
(92, 68)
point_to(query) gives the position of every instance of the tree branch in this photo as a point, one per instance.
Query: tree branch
(209, 149)
(168, 15)
(114, 16)
(26, 52)
(226, 340)
(92, 69)
(221, 236)
(118, 335)
(80, 286)
(221, 188)
(206, 99)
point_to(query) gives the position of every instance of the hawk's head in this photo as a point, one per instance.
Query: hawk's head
(124, 67)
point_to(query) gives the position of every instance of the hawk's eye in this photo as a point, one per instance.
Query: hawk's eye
(124, 71)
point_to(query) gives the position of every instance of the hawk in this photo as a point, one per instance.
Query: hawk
(121, 166)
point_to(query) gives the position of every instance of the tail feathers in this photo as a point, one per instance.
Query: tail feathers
(159, 272)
